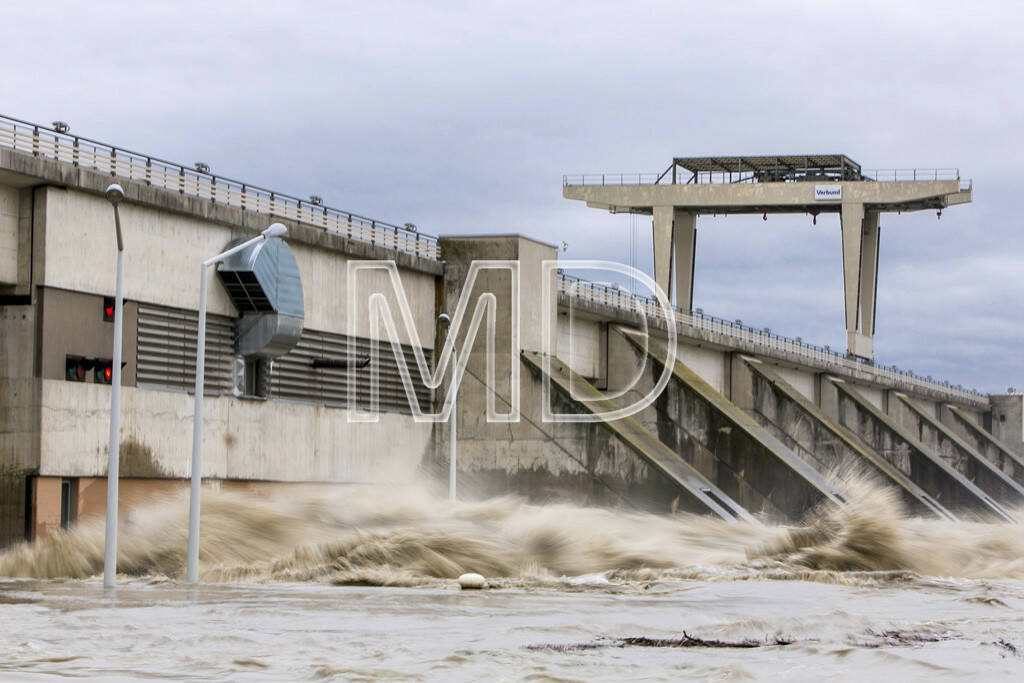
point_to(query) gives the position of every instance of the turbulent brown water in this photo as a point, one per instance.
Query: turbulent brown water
(406, 537)
(647, 589)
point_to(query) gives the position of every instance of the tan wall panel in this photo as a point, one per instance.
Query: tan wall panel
(46, 505)
(586, 345)
(709, 364)
(801, 381)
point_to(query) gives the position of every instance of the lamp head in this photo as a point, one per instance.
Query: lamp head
(114, 194)
(444, 319)
(275, 230)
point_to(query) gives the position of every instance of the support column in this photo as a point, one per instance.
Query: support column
(860, 259)
(663, 247)
(869, 274)
(675, 236)
(684, 242)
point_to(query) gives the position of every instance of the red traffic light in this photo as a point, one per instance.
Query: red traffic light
(104, 372)
(108, 309)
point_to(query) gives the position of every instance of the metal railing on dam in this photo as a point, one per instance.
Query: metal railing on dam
(51, 143)
(611, 295)
(886, 175)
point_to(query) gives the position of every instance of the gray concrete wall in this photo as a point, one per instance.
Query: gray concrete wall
(541, 461)
(965, 426)
(1008, 420)
(163, 250)
(756, 197)
(888, 438)
(957, 452)
(9, 213)
(717, 438)
(861, 374)
(545, 462)
(581, 345)
(19, 416)
(242, 439)
(818, 439)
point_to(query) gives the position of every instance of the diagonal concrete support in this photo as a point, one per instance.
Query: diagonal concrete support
(696, 492)
(675, 235)
(925, 467)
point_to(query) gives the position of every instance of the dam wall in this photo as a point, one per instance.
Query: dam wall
(721, 439)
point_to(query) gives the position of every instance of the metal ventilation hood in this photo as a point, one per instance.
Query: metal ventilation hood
(264, 284)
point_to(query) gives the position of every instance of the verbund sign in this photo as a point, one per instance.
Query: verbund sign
(828, 192)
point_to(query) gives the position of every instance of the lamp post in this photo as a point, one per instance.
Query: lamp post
(192, 563)
(114, 195)
(446, 322)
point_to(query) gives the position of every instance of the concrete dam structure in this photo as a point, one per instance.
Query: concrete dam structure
(741, 424)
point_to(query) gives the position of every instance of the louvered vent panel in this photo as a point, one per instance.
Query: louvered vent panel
(166, 358)
(166, 349)
(295, 378)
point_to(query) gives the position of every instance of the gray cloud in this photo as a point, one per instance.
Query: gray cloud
(463, 117)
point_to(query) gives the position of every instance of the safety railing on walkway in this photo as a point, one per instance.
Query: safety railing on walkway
(748, 176)
(617, 297)
(51, 143)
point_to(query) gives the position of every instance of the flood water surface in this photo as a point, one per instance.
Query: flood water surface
(363, 588)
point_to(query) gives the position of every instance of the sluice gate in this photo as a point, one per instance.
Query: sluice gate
(822, 441)
(944, 483)
(728, 445)
(958, 453)
(696, 493)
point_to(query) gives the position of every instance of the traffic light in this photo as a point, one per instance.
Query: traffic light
(76, 367)
(103, 372)
(108, 309)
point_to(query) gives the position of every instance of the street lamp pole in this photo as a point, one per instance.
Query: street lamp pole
(192, 562)
(114, 195)
(444, 320)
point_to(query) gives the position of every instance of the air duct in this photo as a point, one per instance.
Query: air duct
(263, 283)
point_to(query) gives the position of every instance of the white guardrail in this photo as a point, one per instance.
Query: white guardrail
(51, 143)
(884, 175)
(625, 300)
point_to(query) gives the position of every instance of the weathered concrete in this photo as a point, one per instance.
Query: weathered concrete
(21, 170)
(817, 438)
(992, 449)
(19, 417)
(723, 442)
(544, 462)
(768, 196)
(696, 493)
(75, 221)
(242, 439)
(890, 440)
(1007, 420)
(674, 208)
(861, 373)
(958, 453)
(10, 210)
(583, 463)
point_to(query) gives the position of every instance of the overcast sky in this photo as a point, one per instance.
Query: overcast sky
(462, 117)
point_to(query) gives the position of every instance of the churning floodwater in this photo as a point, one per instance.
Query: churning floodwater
(362, 586)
